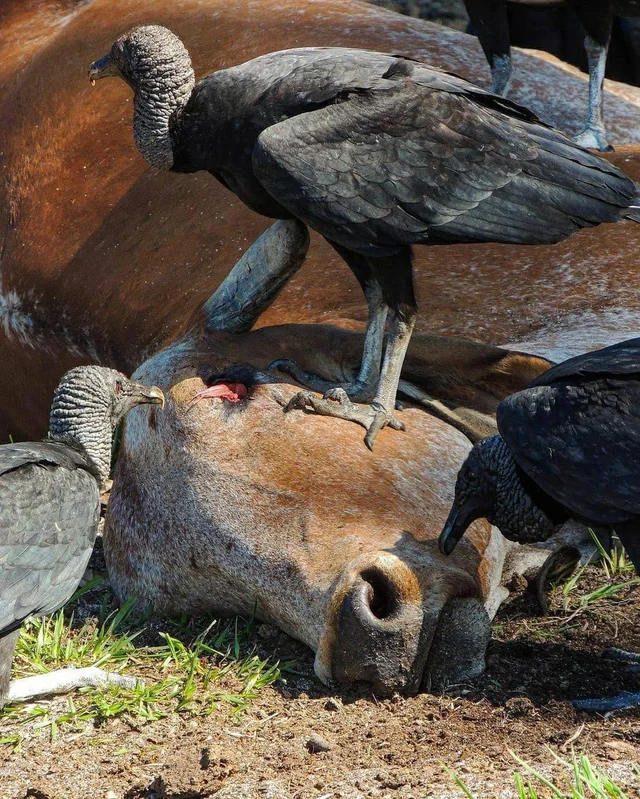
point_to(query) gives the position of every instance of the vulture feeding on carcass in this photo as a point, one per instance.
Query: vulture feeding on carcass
(376, 153)
(49, 513)
(569, 447)
(489, 19)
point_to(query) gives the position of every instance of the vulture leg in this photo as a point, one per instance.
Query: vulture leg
(594, 135)
(597, 21)
(64, 680)
(490, 24)
(392, 279)
(363, 388)
(400, 330)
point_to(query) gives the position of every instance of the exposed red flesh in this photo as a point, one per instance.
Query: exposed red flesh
(233, 392)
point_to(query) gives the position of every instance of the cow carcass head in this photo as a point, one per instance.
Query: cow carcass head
(224, 504)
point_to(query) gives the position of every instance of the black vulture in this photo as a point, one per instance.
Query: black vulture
(490, 22)
(376, 153)
(50, 509)
(569, 447)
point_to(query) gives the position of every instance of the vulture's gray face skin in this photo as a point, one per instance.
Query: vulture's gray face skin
(475, 493)
(87, 406)
(157, 66)
(489, 486)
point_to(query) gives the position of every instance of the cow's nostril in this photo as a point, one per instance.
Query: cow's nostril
(381, 595)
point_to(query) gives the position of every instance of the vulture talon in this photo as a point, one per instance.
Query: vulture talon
(625, 700)
(337, 404)
(357, 391)
(592, 139)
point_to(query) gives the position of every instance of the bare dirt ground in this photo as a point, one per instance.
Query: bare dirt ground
(375, 748)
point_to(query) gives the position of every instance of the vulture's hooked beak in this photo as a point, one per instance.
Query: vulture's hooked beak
(104, 67)
(153, 396)
(457, 523)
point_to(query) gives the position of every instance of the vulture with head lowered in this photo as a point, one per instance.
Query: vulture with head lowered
(569, 447)
(375, 152)
(49, 513)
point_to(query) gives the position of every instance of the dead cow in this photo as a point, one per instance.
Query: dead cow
(103, 259)
(223, 504)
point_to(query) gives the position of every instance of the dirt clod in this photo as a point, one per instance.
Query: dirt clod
(317, 743)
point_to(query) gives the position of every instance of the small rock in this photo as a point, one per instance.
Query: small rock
(333, 703)
(317, 743)
(266, 631)
(616, 750)
(519, 706)
(111, 795)
(518, 583)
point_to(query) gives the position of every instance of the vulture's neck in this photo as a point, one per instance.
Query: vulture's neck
(89, 430)
(155, 101)
(522, 511)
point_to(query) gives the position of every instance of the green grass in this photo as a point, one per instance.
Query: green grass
(186, 668)
(581, 780)
(614, 564)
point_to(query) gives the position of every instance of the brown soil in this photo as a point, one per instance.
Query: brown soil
(378, 748)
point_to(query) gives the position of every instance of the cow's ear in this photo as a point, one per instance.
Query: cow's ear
(258, 277)
(462, 381)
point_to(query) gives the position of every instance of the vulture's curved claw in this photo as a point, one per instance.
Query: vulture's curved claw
(594, 139)
(358, 391)
(336, 403)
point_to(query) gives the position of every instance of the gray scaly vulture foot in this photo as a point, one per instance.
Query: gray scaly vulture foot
(337, 404)
(625, 700)
(64, 681)
(358, 390)
(594, 139)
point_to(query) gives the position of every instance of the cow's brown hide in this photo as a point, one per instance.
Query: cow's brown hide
(104, 259)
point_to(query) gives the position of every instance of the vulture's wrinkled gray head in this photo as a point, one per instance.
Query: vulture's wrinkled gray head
(87, 406)
(489, 486)
(157, 66)
(476, 489)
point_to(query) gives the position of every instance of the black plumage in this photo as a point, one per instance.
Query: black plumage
(378, 153)
(375, 152)
(569, 447)
(50, 499)
(576, 433)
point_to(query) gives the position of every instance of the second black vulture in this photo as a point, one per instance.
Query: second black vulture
(569, 447)
(490, 22)
(50, 509)
(375, 152)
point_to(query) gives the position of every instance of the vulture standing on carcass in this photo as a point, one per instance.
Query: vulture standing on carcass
(489, 18)
(376, 153)
(569, 447)
(49, 514)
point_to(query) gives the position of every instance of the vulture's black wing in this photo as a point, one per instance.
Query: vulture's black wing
(619, 359)
(578, 437)
(49, 513)
(424, 156)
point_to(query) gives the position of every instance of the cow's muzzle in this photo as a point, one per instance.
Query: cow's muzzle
(383, 634)
(401, 634)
